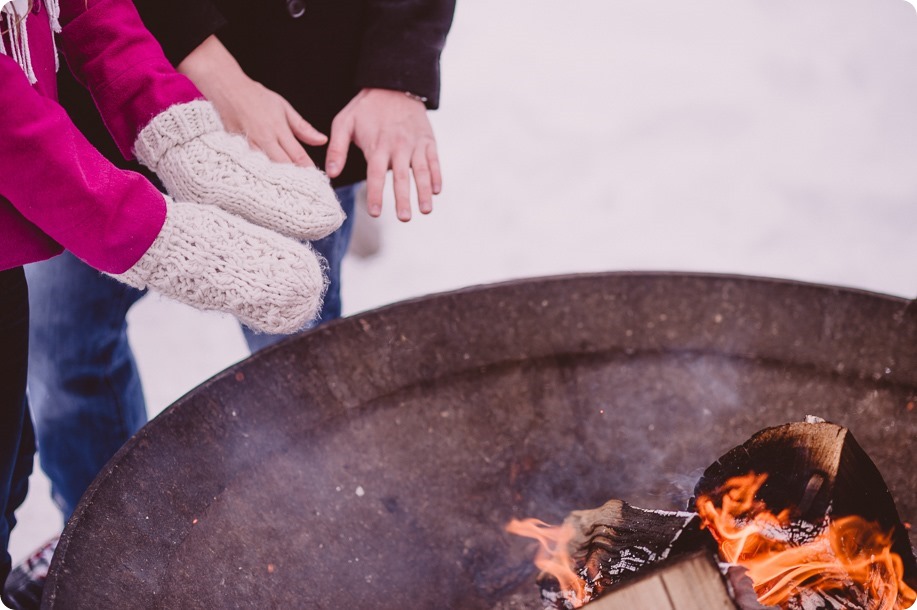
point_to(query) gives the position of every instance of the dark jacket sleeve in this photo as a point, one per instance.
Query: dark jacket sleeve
(180, 26)
(402, 45)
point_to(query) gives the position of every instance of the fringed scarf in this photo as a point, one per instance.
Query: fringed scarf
(13, 14)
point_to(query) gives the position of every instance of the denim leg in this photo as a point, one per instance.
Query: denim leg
(84, 387)
(17, 445)
(332, 248)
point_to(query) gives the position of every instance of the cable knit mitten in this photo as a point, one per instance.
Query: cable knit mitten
(212, 260)
(198, 160)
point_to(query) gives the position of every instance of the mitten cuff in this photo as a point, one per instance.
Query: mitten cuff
(173, 127)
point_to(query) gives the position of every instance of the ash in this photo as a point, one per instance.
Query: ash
(556, 600)
(629, 561)
(619, 565)
(687, 515)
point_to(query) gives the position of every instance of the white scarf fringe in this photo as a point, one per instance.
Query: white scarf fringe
(53, 7)
(19, 39)
(19, 35)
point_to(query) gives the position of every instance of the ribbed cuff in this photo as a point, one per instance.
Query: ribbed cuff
(173, 127)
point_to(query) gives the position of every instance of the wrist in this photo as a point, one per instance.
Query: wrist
(394, 94)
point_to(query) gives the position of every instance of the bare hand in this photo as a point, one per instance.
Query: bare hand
(393, 132)
(247, 107)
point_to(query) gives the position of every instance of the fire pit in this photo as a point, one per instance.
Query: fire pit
(374, 462)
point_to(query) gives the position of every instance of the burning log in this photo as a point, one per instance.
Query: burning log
(814, 469)
(608, 544)
(617, 547)
(801, 507)
(817, 528)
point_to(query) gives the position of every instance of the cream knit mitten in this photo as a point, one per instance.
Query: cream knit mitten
(198, 160)
(212, 260)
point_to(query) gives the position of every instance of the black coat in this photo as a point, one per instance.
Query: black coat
(317, 61)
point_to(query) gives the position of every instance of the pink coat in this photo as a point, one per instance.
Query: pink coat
(56, 190)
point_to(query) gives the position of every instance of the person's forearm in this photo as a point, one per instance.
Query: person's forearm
(213, 69)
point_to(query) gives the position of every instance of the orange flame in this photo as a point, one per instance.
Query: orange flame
(849, 551)
(553, 556)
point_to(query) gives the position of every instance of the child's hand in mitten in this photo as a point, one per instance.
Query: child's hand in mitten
(212, 260)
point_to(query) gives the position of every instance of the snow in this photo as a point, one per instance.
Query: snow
(765, 137)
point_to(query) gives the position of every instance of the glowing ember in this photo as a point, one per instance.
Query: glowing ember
(554, 558)
(847, 561)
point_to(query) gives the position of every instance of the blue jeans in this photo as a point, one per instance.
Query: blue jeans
(17, 444)
(84, 387)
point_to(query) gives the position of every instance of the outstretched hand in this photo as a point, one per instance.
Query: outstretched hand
(247, 107)
(393, 131)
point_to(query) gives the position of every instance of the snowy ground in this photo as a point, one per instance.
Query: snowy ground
(765, 137)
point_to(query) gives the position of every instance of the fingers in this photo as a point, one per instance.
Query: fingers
(376, 168)
(424, 179)
(401, 179)
(436, 175)
(272, 149)
(422, 163)
(302, 129)
(294, 150)
(341, 135)
(278, 143)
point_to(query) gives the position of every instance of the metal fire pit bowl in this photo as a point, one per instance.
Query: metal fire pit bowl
(374, 462)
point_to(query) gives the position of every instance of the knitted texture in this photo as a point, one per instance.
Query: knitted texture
(198, 160)
(212, 260)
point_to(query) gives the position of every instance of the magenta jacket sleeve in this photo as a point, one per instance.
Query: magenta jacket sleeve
(59, 182)
(110, 51)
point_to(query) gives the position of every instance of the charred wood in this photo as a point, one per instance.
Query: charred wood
(817, 471)
(617, 541)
